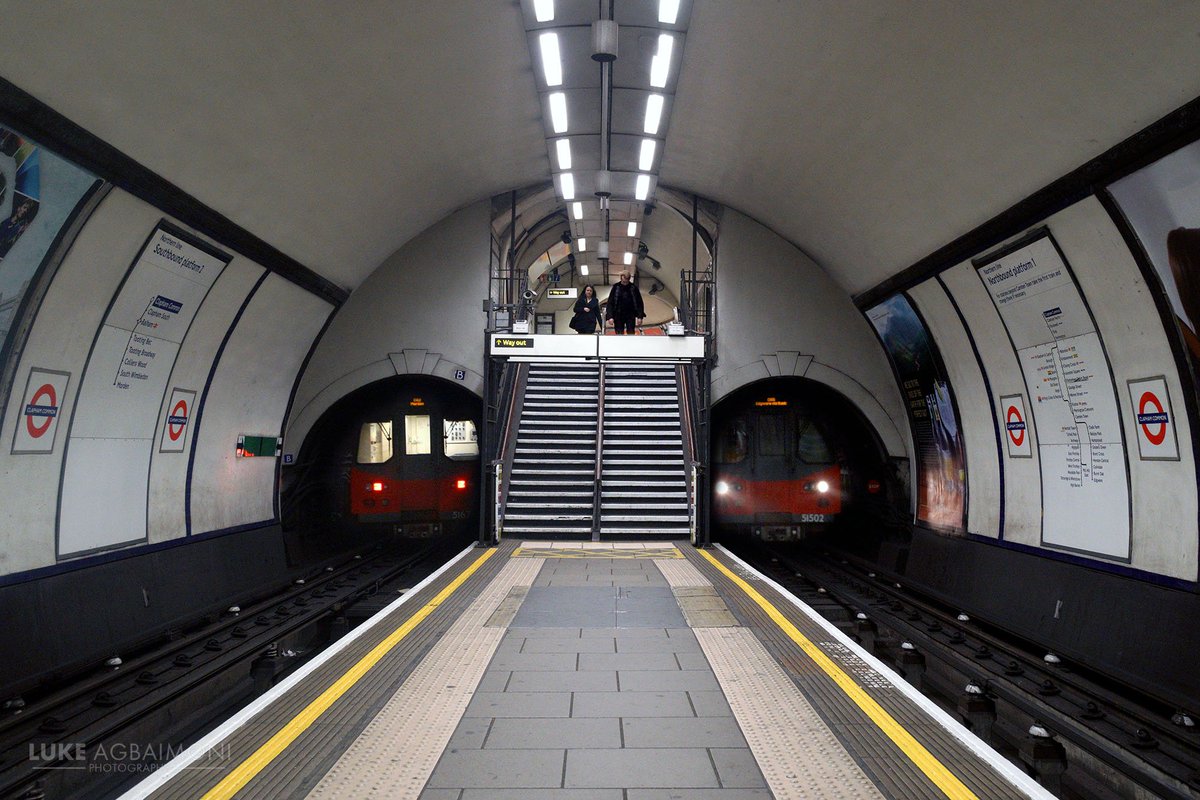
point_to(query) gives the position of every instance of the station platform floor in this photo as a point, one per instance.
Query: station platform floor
(592, 671)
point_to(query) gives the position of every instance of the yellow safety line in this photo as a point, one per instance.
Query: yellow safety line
(937, 772)
(264, 755)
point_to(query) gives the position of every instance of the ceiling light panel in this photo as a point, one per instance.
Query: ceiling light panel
(660, 65)
(668, 11)
(558, 112)
(654, 114)
(632, 229)
(642, 189)
(580, 244)
(577, 210)
(566, 182)
(562, 149)
(543, 10)
(551, 60)
(646, 156)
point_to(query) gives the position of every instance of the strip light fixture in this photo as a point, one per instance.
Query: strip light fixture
(577, 210)
(642, 190)
(581, 244)
(660, 65)
(567, 181)
(654, 109)
(543, 10)
(558, 112)
(668, 11)
(563, 146)
(646, 159)
(632, 231)
(552, 61)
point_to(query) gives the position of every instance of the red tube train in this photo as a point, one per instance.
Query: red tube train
(789, 458)
(400, 457)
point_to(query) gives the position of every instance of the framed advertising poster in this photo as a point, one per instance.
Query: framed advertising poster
(932, 413)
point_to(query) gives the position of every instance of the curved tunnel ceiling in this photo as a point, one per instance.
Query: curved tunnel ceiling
(869, 134)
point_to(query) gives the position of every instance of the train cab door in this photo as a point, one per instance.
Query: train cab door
(772, 461)
(417, 457)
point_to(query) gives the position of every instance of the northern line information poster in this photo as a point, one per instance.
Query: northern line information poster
(1085, 485)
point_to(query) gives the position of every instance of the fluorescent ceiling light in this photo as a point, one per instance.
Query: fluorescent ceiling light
(654, 109)
(543, 10)
(661, 63)
(551, 63)
(564, 153)
(643, 187)
(567, 181)
(577, 210)
(581, 244)
(668, 11)
(629, 258)
(583, 269)
(646, 159)
(632, 229)
(558, 112)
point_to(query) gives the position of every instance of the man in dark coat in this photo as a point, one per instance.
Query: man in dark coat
(624, 305)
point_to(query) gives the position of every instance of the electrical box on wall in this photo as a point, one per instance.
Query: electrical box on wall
(249, 446)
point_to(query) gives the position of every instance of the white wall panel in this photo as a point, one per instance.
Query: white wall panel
(1164, 492)
(60, 339)
(1022, 480)
(249, 395)
(772, 298)
(427, 297)
(165, 517)
(974, 409)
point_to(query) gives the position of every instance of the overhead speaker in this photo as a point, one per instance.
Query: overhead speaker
(604, 40)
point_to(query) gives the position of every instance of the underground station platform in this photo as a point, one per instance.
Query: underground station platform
(581, 670)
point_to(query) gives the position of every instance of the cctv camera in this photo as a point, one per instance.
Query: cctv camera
(530, 294)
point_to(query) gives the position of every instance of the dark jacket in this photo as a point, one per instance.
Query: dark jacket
(587, 315)
(625, 302)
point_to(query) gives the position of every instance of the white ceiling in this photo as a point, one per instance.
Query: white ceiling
(867, 132)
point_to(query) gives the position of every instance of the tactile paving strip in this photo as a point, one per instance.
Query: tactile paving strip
(396, 752)
(627, 553)
(798, 755)
(680, 573)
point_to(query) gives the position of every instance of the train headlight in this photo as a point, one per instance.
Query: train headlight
(461, 484)
(822, 486)
(376, 487)
(722, 487)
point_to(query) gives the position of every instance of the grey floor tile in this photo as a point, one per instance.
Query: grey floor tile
(573, 681)
(632, 704)
(526, 662)
(683, 732)
(500, 769)
(710, 704)
(519, 704)
(533, 633)
(620, 661)
(697, 794)
(665, 768)
(493, 681)
(440, 794)
(543, 794)
(693, 661)
(509, 734)
(470, 734)
(737, 768)
(625, 633)
(668, 645)
(663, 681)
(590, 644)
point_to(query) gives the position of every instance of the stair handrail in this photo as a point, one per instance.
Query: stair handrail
(687, 421)
(598, 474)
(512, 390)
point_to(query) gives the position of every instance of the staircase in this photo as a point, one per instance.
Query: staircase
(552, 477)
(643, 483)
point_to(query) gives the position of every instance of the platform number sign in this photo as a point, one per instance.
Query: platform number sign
(460, 374)
(1154, 419)
(1014, 422)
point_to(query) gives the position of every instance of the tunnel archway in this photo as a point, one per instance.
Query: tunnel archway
(396, 458)
(794, 459)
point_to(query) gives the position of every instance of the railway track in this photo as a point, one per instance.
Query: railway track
(1084, 735)
(131, 711)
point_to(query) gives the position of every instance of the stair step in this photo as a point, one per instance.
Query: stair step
(547, 517)
(642, 518)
